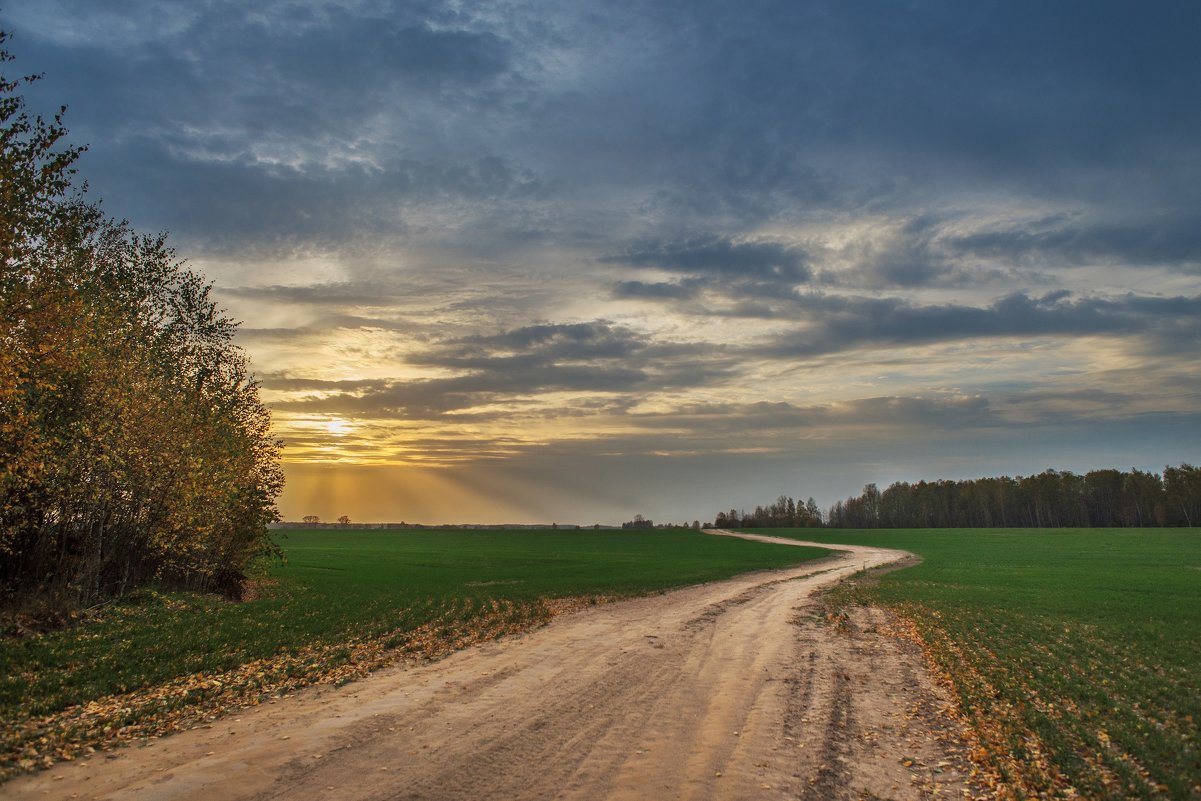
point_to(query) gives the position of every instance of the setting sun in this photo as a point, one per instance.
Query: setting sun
(514, 269)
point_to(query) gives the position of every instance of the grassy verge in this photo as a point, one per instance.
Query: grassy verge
(346, 602)
(1075, 654)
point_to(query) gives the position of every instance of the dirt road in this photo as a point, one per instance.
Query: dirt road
(730, 690)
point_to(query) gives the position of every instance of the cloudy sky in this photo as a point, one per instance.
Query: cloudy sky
(572, 261)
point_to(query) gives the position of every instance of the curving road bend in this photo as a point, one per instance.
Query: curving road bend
(729, 690)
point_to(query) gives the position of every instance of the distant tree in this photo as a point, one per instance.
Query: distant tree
(871, 506)
(311, 520)
(1182, 485)
(1051, 499)
(344, 520)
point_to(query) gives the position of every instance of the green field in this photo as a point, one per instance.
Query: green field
(344, 603)
(1075, 653)
(1087, 639)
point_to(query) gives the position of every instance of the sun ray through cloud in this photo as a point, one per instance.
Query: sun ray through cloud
(521, 261)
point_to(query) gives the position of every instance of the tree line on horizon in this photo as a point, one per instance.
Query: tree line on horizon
(785, 512)
(134, 448)
(1051, 499)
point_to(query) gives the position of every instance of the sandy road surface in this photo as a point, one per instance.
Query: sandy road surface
(729, 690)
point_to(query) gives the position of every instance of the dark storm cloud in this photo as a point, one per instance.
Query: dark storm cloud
(748, 272)
(278, 54)
(584, 344)
(1174, 242)
(825, 176)
(656, 291)
(916, 252)
(928, 250)
(719, 256)
(866, 412)
(933, 250)
(553, 338)
(697, 112)
(911, 254)
(341, 293)
(337, 49)
(253, 127)
(841, 323)
(517, 366)
(243, 204)
(1014, 86)
(1072, 397)
(538, 345)
(508, 382)
(873, 105)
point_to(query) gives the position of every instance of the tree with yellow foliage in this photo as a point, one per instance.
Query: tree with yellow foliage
(133, 444)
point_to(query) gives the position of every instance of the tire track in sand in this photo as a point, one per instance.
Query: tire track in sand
(730, 690)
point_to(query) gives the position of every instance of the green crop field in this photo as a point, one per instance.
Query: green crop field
(1076, 654)
(346, 601)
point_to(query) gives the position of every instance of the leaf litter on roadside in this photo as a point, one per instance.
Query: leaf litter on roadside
(29, 743)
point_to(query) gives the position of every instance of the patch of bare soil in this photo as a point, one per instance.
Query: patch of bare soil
(732, 690)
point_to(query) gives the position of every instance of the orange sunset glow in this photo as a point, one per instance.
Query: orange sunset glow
(530, 263)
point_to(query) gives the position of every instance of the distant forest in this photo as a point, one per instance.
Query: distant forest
(1052, 499)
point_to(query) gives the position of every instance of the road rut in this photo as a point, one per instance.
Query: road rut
(729, 690)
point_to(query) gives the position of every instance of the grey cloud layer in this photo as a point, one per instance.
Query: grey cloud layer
(718, 256)
(847, 322)
(916, 252)
(1173, 241)
(700, 113)
(598, 357)
(520, 365)
(743, 192)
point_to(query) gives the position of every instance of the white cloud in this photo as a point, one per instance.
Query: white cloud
(608, 243)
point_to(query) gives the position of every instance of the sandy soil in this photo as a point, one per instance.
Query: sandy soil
(730, 690)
